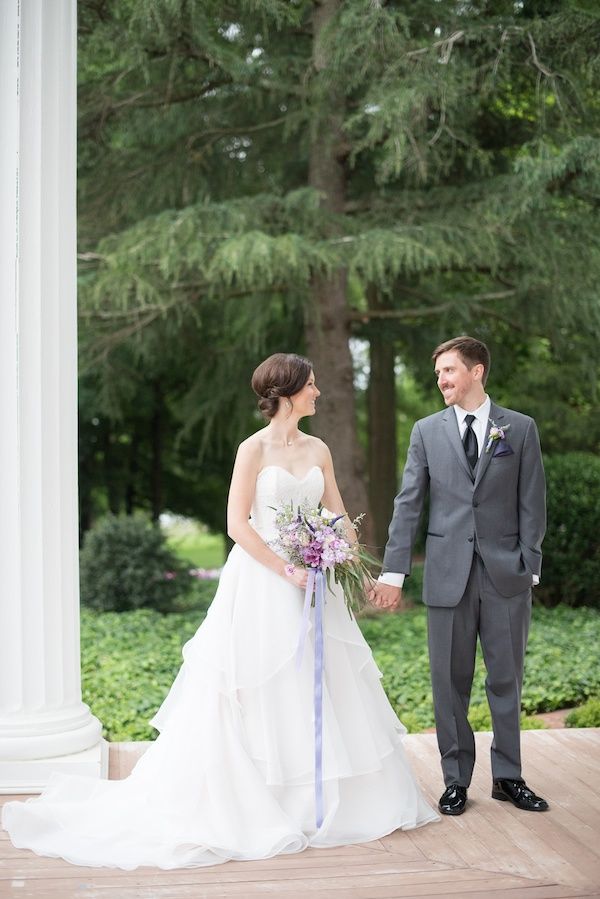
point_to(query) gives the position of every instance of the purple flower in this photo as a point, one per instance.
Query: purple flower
(312, 555)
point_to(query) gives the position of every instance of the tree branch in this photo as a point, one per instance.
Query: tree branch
(436, 309)
(447, 43)
(242, 129)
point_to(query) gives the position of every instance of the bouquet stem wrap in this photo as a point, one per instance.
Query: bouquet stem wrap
(315, 585)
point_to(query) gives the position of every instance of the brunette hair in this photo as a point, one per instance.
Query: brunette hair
(471, 351)
(281, 375)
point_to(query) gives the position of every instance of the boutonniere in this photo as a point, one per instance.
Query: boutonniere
(496, 435)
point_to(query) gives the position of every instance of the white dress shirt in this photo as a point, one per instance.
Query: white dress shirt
(479, 425)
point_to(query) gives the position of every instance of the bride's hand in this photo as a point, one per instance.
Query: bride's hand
(298, 576)
(368, 585)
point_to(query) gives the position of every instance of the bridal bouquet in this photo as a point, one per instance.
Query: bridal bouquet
(316, 538)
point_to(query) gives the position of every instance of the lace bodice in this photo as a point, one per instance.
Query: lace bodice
(276, 485)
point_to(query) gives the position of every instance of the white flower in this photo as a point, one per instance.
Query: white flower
(496, 433)
(325, 513)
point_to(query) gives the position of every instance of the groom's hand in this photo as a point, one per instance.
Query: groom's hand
(385, 596)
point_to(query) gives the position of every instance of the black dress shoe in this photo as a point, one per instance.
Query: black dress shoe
(453, 800)
(517, 792)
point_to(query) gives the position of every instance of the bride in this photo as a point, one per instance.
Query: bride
(231, 774)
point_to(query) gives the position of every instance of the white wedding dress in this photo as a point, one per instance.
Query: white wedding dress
(231, 775)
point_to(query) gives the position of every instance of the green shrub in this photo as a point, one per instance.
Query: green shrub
(413, 585)
(128, 662)
(125, 564)
(571, 568)
(480, 718)
(587, 715)
(561, 666)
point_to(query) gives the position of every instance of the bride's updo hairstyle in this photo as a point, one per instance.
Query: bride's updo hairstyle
(281, 375)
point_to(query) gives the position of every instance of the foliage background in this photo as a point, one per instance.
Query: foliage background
(130, 659)
(356, 181)
(264, 175)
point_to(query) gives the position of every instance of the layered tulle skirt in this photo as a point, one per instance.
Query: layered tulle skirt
(232, 772)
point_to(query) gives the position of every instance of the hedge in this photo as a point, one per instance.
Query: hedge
(571, 564)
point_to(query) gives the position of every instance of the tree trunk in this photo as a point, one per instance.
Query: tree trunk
(130, 490)
(110, 472)
(156, 448)
(327, 328)
(383, 454)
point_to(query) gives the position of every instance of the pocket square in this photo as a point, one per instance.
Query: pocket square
(503, 448)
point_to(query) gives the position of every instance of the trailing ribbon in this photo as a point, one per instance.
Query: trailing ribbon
(316, 585)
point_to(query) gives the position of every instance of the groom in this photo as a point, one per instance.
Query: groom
(482, 467)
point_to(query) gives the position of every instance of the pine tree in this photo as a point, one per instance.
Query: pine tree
(266, 175)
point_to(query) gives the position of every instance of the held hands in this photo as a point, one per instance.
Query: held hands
(385, 596)
(382, 596)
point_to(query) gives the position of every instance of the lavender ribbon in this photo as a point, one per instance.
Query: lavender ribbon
(316, 585)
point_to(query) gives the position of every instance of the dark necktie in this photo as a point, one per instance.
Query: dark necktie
(470, 442)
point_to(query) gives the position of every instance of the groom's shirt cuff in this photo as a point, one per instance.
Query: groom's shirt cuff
(395, 579)
(392, 578)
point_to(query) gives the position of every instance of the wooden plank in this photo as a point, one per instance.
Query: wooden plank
(492, 849)
(462, 882)
(244, 872)
(496, 889)
(573, 802)
(574, 747)
(535, 836)
(501, 817)
(453, 839)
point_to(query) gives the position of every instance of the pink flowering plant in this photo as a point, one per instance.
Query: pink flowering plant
(317, 538)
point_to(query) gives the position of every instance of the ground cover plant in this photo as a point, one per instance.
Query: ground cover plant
(129, 660)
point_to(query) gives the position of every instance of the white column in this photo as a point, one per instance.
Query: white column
(44, 725)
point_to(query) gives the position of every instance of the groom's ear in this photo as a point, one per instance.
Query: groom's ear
(478, 371)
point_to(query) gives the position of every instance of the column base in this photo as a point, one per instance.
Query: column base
(31, 775)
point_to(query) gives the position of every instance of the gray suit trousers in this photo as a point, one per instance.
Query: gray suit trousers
(503, 625)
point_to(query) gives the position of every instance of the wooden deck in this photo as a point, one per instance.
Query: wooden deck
(493, 850)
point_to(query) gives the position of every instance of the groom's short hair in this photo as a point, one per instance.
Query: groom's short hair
(471, 351)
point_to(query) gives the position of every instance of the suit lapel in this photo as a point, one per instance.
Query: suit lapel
(496, 415)
(451, 428)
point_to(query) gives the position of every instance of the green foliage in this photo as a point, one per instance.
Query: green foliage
(480, 718)
(413, 584)
(587, 715)
(561, 665)
(558, 671)
(130, 660)
(195, 545)
(554, 383)
(125, 564)
(469, 140)
(571, 567)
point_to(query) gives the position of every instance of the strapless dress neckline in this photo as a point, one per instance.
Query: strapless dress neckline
(291, 473)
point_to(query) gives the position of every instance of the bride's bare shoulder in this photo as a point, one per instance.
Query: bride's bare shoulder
(250, 450)
(320, 449)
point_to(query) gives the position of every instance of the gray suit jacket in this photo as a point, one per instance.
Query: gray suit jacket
(501, 508)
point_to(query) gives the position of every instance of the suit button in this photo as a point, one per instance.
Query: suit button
(470, 539)
(475, 503)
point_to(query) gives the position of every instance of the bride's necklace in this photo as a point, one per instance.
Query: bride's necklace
(286, 441)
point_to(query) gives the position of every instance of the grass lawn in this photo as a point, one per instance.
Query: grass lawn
(191, 543)
(129, 660)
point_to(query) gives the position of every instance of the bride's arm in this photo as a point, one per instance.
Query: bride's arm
(332, 498)
(239, 504)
